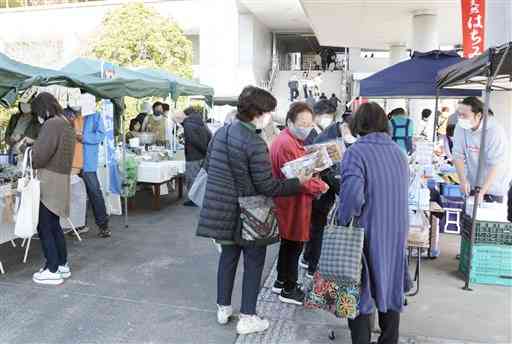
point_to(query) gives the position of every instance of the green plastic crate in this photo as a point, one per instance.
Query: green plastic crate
(492, 264)
(498, 233)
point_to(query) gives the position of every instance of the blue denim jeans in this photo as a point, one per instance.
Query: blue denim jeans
(52, 239)
(95, 196)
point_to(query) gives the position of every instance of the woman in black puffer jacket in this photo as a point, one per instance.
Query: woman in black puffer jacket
(248, 168)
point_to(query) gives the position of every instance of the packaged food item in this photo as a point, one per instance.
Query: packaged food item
(314, 162)
(334, 149)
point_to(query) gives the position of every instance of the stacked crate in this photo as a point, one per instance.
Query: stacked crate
(492, 252)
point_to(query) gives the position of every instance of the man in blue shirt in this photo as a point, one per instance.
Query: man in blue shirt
(94, 133)
(402, 129)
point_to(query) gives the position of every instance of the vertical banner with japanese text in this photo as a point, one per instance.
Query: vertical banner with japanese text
(473, 27)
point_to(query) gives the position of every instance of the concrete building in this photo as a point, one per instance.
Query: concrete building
(237, 42)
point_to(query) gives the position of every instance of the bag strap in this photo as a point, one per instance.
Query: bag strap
(334, 211)
(230, 165)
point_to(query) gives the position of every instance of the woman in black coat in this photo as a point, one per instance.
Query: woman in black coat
(246, 172)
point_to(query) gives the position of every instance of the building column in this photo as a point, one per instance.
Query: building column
(425, 38)
(425, 35)
(499, 31)
(219, 45)
(397, 53)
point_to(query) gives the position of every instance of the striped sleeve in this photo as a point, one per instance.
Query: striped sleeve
(352, 192)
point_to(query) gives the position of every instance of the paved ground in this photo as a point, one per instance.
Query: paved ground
(155, 282)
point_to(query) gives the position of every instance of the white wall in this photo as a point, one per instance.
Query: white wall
(262, 50)
(358, 64)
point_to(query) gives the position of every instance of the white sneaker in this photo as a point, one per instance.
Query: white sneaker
(64, 271)
(251, 324)
(47, 277)
(223, 314)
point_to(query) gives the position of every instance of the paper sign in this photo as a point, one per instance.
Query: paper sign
(88, 104)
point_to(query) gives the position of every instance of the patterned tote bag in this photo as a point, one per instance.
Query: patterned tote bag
(335, 287)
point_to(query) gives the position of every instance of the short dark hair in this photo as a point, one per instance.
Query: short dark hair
(46, 106)
(295, 109)
(477, 106)
(396, 112)
(166, 107)
(193, 109)
(253, 102)
(157, 104)
(369, 118)
(425, 113)
(324, 106)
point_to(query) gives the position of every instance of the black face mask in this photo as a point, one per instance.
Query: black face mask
(157, 113)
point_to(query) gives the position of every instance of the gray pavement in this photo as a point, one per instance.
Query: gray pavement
(155, 282)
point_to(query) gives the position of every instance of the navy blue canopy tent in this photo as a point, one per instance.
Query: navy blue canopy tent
(414, 78)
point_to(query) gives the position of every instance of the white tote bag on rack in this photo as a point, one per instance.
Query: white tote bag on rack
(27, 216)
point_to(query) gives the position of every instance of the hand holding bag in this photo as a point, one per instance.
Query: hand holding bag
(27, 217)
(258, 223)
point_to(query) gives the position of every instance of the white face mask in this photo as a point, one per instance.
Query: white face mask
(262, 121)
(349, 139)
(465, 123)
(325, 121)
(41, 120)
(25, 108)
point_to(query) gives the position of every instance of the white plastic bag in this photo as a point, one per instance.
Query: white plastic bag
(198, 188)
(27, 216)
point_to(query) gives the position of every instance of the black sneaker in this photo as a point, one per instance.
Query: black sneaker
(278, 287)
(189, 203)
(105, 233)
(294, 296)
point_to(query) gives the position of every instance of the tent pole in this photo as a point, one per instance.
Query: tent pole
(124, 171)
(436, 118)
(481, 156)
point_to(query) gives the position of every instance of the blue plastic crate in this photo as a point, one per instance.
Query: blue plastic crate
(451, 190)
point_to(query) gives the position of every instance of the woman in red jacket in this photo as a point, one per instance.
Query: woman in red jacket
(293, 212)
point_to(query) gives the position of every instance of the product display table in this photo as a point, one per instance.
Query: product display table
(159, 173)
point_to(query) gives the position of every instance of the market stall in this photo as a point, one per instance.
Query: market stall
(486, 249)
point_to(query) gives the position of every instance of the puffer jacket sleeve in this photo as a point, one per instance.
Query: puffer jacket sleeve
(260, 170)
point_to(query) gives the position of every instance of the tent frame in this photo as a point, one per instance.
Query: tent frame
(491, 78)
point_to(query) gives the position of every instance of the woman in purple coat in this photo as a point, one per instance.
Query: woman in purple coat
(374, 191)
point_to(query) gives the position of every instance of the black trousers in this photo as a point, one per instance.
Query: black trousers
(254, 261)
(52, 239)
(361, 331)
(313, 247)
(288, 263)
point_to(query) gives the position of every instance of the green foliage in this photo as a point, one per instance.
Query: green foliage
(138, 36)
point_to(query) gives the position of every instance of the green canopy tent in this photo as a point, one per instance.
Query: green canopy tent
(16, 77)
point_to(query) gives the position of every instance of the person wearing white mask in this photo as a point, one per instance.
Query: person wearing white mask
(238, 165)
(23, 127)
(293, 213)
(466, 151)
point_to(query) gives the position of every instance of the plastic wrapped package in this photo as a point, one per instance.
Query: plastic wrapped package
(78, 206)
(130, 177)
(308, 164)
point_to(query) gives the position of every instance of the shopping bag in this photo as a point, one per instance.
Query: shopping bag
(342, 250)
(198, 188)
(258, 223)
(340, 298)
(27, 216)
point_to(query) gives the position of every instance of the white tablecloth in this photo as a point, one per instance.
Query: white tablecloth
(159, 172)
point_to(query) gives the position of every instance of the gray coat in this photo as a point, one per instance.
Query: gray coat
(253, 172)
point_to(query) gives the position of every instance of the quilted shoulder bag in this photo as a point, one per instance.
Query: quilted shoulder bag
(258, 223)
(342, 250)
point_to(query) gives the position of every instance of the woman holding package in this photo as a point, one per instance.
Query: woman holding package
(293, 213)
(381, 208)
(238, 164)
(52, 156)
